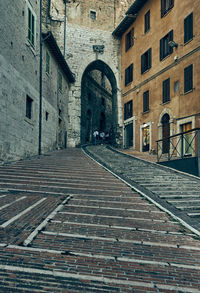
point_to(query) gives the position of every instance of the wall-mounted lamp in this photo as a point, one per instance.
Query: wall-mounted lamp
(172, 44)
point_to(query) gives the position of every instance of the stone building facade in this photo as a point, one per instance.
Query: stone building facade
(160, 51)
(20, 85)
(83, 30)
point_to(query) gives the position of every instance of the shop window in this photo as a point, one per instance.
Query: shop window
(129, 74)
(146, 101)
(187, 139)
(147, 22)
(128, 110)
(146, 61)
(129, 39)
(145, 138)
(188, 79)
(166, 90)
(166, 5)
(165, 49)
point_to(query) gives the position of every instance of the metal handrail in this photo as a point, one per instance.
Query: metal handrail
(182, 147)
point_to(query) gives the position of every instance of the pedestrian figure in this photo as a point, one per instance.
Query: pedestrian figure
(96, 136)
(102, 137)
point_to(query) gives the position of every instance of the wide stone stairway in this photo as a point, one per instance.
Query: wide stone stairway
(175, 191)
(69, 225)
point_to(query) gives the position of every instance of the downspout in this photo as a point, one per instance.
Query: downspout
(40, 87)
(65, 27)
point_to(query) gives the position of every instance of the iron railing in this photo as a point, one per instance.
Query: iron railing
(179, 146)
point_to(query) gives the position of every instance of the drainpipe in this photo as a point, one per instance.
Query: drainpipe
(65, 28)
(40, 87)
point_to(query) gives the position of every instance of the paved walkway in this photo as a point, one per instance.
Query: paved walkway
(68, 225)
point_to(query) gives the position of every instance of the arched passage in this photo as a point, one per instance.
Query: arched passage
(99, 97)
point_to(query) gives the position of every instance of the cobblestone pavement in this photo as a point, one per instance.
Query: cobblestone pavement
(68, 225)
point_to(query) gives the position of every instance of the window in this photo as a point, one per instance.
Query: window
(166, 5)
(29, 103)
(46, 115)
(147, 22)
(47, 63)
(146, 101)
(165, 49)
(188, 78)
(166, 90)
(93, 14)
(129, 74)
(128, 110)
(59, 81)
(176, 86)
(188, 28)
(146, 61)
(129, 39)
(31, 27)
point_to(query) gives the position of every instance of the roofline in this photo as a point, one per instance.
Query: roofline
(131, 13)
(49, 39)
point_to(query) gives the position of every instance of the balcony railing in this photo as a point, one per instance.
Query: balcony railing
(179, 146)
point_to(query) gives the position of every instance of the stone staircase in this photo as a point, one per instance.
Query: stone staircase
(175, 191)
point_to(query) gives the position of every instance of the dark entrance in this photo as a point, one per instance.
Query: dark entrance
(129, 135)
(165, 133)
(98, 101)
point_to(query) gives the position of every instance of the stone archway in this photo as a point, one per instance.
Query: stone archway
(99, 95)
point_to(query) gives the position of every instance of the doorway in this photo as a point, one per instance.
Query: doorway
(165, 133)
(128, 133)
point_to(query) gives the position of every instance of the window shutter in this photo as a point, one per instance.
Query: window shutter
(161, 49)
(170, 39)
(149, 58)
(131, 72)
(162, 8)
(142, 63)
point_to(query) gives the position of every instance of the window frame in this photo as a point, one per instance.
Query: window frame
(188, 79)
(146, 101)
(166, 91)
(166, 6)
(29, 107)
(129, 39)
(188, 28)
(165, 49)
(31, 25)
(146, 60)
(147, 22)
(128, 110)
(129, 74)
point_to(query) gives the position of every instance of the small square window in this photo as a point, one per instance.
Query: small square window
(29, 103)
(93, 14)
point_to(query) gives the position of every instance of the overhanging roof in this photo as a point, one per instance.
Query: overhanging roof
(129, 18)
(55, 50)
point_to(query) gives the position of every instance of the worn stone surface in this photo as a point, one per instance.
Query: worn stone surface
(68, 225)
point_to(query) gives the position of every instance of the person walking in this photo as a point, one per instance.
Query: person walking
(96, 136)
